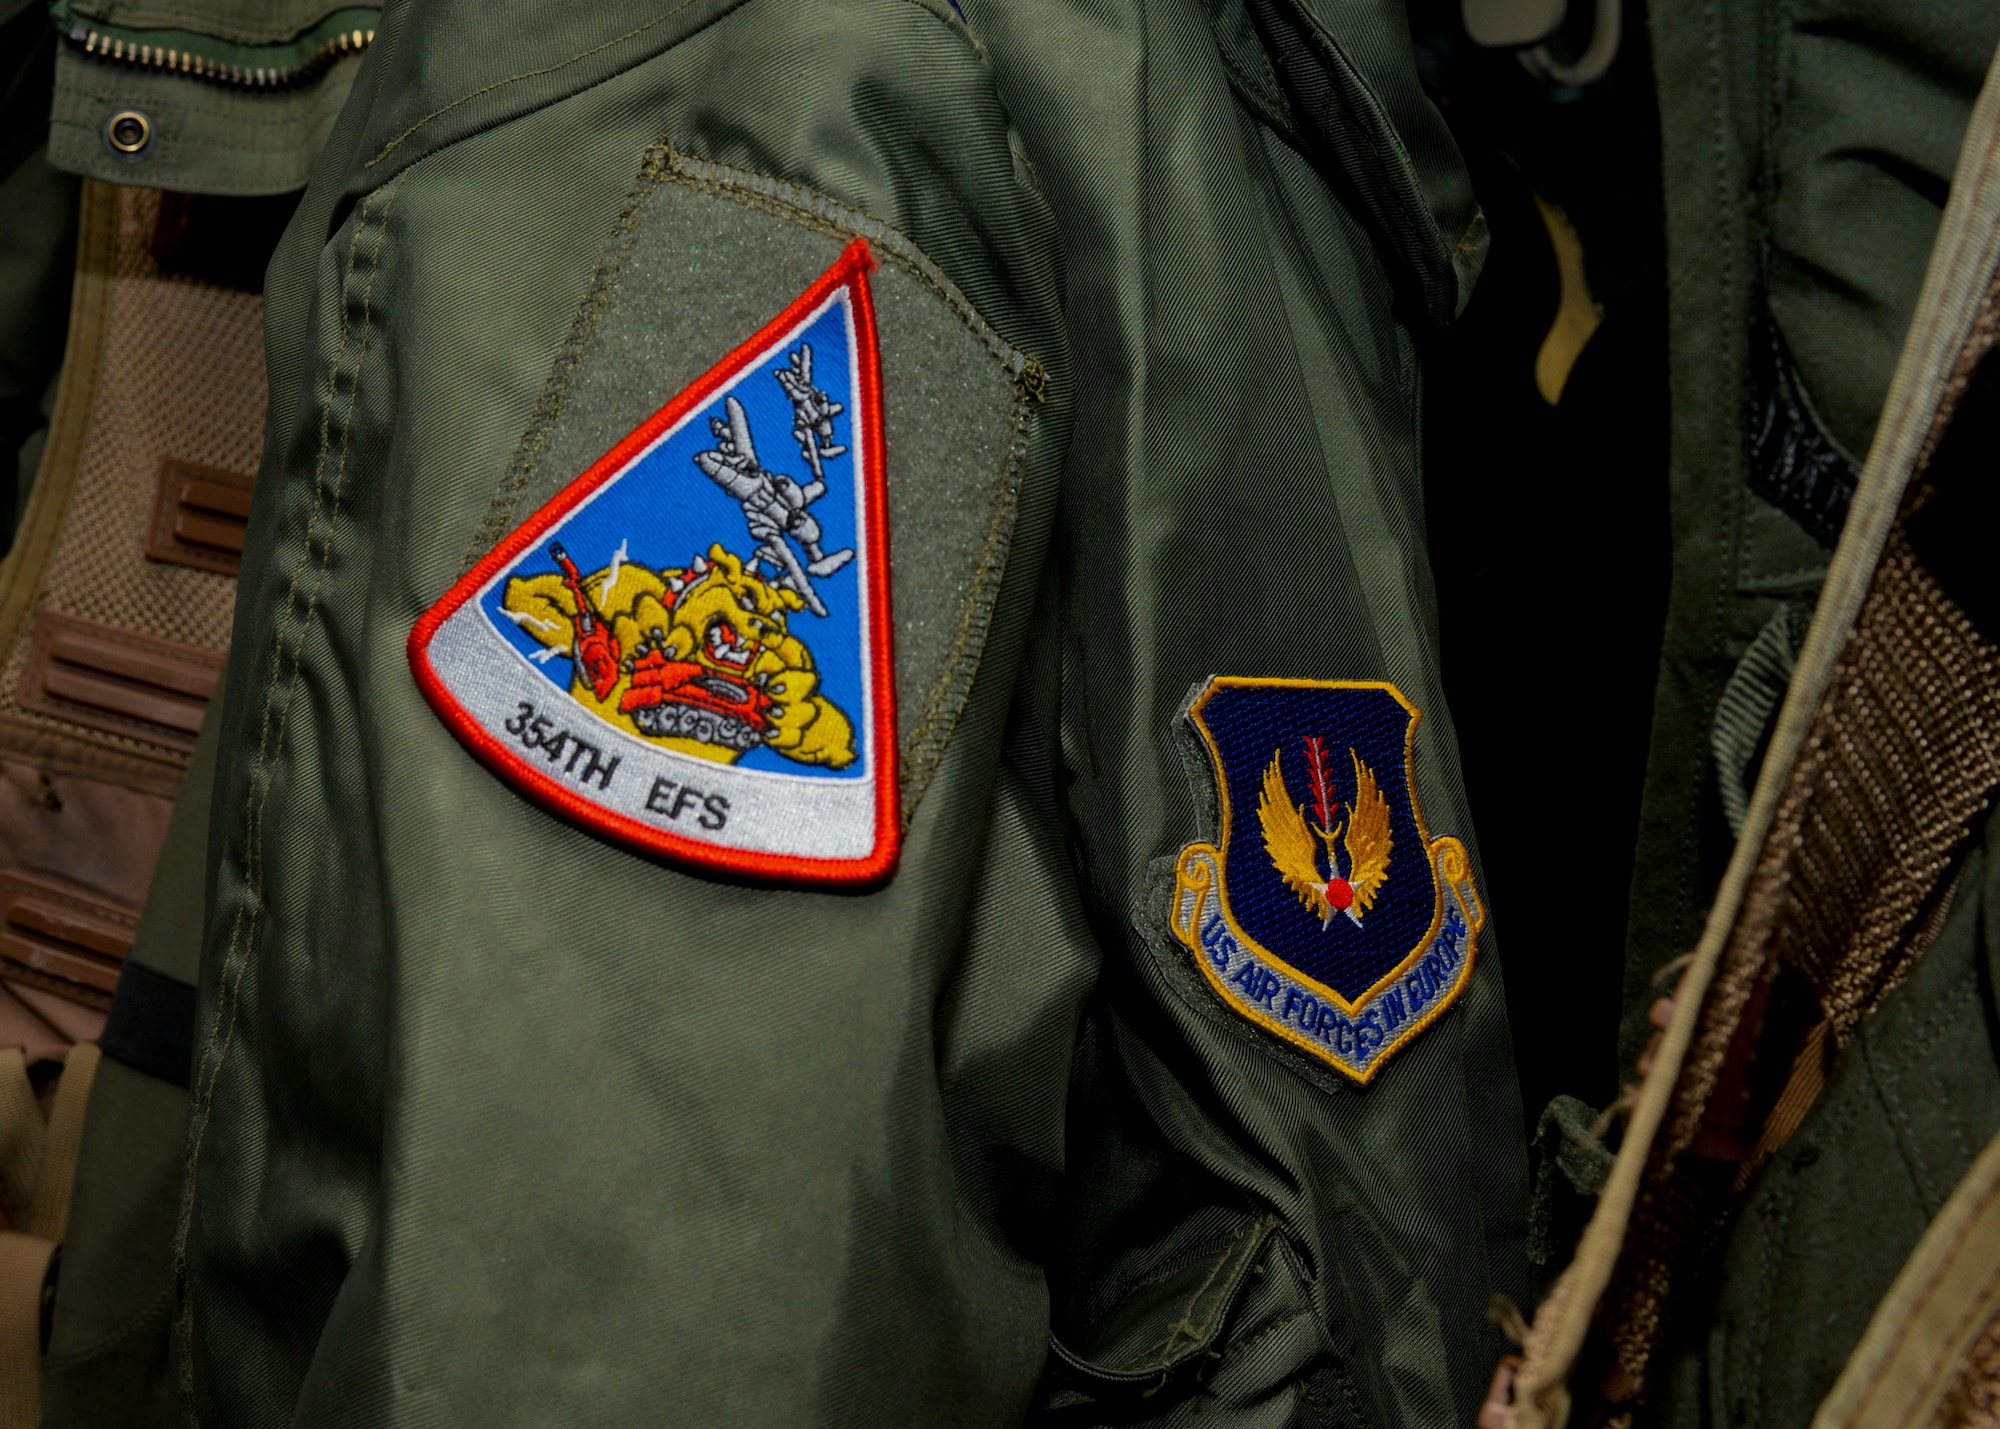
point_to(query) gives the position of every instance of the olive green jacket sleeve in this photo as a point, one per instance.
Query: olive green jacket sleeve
(495, 1121)
(1245, 1235)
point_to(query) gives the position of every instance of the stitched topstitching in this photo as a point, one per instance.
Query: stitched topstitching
(658, 20)
(273, 719)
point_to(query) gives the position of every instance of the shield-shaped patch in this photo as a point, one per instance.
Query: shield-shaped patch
(688, 647)
(1325, 911)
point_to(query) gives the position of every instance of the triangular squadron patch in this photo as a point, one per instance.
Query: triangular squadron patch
(1325, 912)
(688, 648)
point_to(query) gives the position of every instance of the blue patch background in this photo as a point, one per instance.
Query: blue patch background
(1248, 725)
(669, 512)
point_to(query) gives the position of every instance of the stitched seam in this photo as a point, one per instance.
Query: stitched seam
(1710, 687)
(813, 209)
(113, 1338)
(1925, 1300)
(1176, 1267)
(1272, 1328)
(1777, 1216)
(957, 28)
(924, 748)
(1468, 241)
(221, 1032)
(1785, 577)
(1382, 136)
(1259, 92)
(1890, 1086)
(1184, 1328)
(795, 203)
(655, 22)
(307, 108)
(1770, 1252)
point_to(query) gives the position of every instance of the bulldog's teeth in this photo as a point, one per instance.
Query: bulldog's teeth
(725, 650)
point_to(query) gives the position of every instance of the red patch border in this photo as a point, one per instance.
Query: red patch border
(850, 270)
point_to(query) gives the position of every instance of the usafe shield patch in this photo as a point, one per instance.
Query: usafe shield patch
(1325, 912)
(688, 648)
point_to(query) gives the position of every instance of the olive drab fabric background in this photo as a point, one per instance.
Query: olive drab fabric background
(1041, 409)
(493, 1118)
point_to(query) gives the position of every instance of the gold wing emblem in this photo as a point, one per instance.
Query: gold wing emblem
(1288, 839)
(1367, 836)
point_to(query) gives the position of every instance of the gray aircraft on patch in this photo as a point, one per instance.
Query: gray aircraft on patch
(774, 505)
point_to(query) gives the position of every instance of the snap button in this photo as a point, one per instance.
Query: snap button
(128, 134)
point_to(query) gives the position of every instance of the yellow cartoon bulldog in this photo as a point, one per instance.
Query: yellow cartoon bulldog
(700, 660)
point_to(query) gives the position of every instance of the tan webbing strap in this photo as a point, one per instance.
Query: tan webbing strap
(21, 1138)
(1918, 1348)
(24, 1270)
(49, 1215)
(37, 1170)
(1960, 276)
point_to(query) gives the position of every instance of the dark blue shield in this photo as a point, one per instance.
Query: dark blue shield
(1327, 742)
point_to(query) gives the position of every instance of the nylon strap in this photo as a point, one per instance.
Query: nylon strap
(1917, 1354)
(49, 1214)
(37, 1170)
(24, 1270)
(21, 1137)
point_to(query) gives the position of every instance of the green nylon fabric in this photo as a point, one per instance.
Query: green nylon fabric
(1865, 104)
(1261, 400)
(496, 1123)
(283, 54)
(1807, 150)
(1909, 1105)
(671, 1137)
(233, 22)
(1749, 706)
(207, 137)
(109, 1358)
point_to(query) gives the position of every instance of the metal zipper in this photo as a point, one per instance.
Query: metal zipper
(177, 61)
